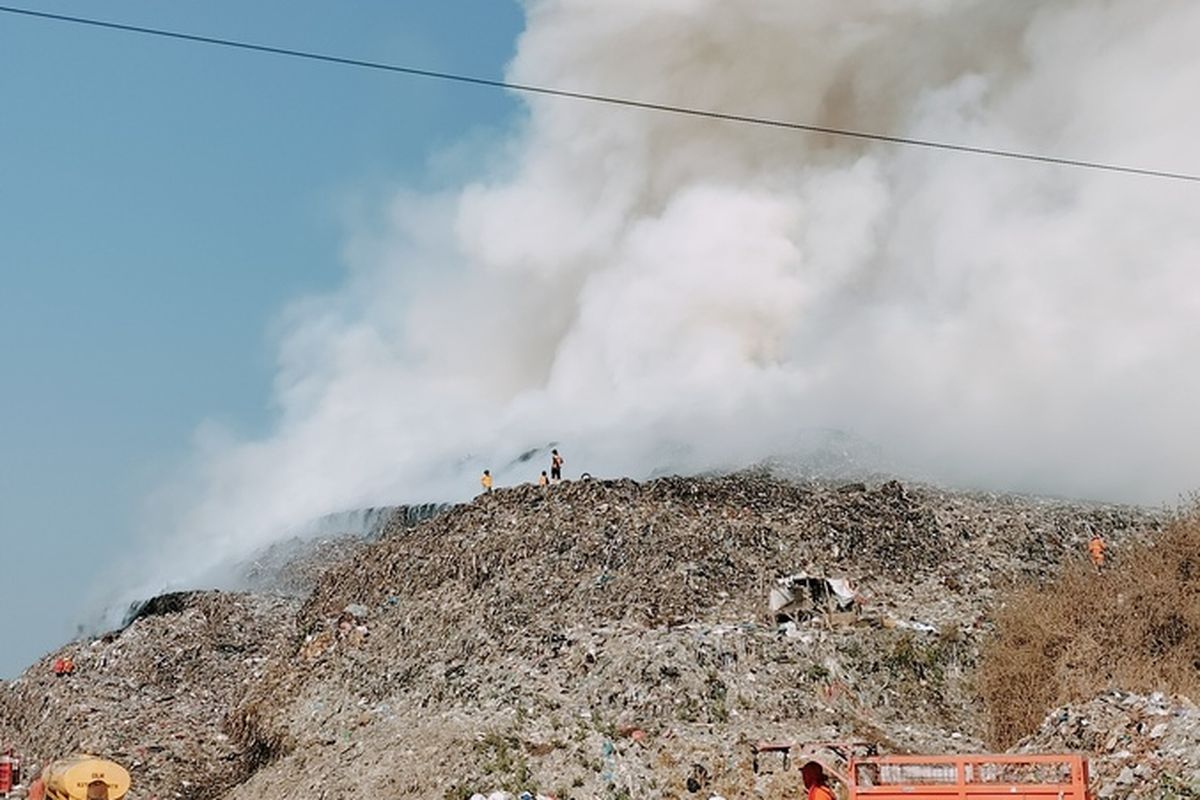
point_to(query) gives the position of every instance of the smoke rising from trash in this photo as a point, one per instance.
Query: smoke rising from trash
(656, 293)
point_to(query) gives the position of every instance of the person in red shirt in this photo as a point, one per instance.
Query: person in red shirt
(815, 782)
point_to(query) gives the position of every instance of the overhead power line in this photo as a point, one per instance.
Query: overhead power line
(607, 99)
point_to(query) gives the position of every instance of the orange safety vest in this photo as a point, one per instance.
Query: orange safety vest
(820, 792)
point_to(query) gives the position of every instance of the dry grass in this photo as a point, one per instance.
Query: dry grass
(1135, 626)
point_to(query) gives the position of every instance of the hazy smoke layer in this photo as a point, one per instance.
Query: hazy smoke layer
(660, 292)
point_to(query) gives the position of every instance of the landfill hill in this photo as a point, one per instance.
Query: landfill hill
(603, 639)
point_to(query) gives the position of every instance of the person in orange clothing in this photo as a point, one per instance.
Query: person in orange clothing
(1096, 549)
(486, 481)
(815, 782)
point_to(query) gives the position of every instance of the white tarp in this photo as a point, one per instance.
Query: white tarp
(803, 595)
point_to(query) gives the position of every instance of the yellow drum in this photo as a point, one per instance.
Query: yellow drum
(85, 778)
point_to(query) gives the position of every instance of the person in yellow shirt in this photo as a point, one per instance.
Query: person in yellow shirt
(486, 481)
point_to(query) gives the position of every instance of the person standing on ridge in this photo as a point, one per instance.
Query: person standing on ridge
(1096, 549)
(543, 481)
(815, 782)
(486, 481)
(556, 463)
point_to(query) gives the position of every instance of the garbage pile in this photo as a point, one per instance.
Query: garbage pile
(293, 567)
(1139, 746)
(155, 697)
(595, 639)
(548, 622)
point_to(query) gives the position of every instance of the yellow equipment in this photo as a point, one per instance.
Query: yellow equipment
(84, 777)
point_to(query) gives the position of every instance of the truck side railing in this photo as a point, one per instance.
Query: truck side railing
(969, 777)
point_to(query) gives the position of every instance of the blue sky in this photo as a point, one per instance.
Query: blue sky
(160, 203)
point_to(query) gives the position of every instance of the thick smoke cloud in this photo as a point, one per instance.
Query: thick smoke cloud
(659, 292)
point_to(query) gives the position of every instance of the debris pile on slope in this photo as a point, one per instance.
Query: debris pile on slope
(156, 696)
(293, 567)
(593, 639)
(681, 550)
(548, 621)
(1141, 746)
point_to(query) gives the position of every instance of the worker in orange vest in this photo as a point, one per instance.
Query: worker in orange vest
(1096, 549)
(486, 481)
(815, 782)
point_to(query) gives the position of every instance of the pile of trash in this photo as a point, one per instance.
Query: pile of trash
(156, 697)
(549, 621)
(293, 567)
(677, 549)
(1139, 746)
(592, 639)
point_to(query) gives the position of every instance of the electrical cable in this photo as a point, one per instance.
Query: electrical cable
(607, 99)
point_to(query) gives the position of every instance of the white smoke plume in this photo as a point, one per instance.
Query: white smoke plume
(658, 292)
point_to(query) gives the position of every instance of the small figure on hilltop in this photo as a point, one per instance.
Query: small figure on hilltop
(816, 782)
(1096, 548)
(556, 464)
(543, 481)
(486, 481)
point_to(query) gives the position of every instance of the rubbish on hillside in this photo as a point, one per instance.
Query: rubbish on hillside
(757, 749)
(910, 624)
(1140, 746)
(556, 621)
(803, 597)
(793, 631)
(63, 666)
(698, 778)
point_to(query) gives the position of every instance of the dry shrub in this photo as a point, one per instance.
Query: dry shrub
(1135, 626)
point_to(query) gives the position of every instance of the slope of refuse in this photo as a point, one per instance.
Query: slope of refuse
(1143, 746)
(157, 696)
(600, 639)
(608, 637)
